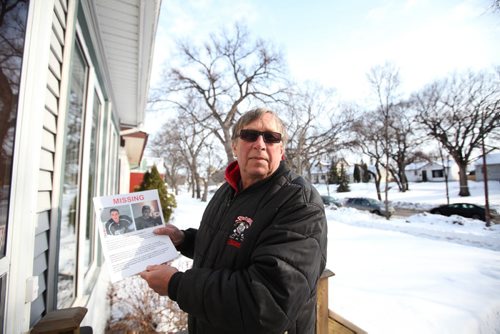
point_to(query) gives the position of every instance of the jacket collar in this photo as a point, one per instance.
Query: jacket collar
(233, 175)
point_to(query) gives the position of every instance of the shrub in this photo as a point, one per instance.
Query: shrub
(153, 180)
(135, 308)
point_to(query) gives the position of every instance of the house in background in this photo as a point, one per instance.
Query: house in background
(320, 172)
(426, 171)
(492, 167)
(134, 143)
(74, 79)
(137, 174)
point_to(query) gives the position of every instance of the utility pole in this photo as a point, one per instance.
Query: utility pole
(446, 179)
(487, 216)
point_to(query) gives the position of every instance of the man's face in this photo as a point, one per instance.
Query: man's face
(115, 215)
(258, 160)
(146, 213)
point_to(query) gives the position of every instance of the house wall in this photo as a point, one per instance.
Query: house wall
(124, 172)
(413, 175)
(432, 172)
(34, 242)
(493, 171)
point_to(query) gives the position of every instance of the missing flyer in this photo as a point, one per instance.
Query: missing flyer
(126, 223)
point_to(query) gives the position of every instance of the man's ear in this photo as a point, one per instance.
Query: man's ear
(233, 147)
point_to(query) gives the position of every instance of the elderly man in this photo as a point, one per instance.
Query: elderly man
(261, 245)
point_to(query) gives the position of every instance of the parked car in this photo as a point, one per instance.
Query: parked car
(368, 204)
(467, 210)
(329, 200)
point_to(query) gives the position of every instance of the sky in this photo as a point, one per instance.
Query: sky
(419, 274)
(336, 43)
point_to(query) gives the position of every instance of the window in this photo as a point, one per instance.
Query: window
(12, 33)
(3, 285)
(85, 172)
(437, 173)
(71, 181)
(89, 244)
(13, 20)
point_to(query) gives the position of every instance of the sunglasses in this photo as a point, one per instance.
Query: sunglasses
(268, 136)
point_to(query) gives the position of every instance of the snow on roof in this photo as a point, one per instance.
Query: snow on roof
(416, 165)
(425, 164)
(491, 159)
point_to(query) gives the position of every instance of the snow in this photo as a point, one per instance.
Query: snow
(419, 274)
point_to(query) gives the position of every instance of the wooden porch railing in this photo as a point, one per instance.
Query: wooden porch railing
(63, 321)
(327, 321)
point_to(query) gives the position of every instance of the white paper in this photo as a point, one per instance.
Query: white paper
(126, 231)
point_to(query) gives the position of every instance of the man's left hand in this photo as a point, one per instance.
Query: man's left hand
(158, 277)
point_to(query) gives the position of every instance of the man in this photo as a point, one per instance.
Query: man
(261, 245)
(146, 220)
(118, 224)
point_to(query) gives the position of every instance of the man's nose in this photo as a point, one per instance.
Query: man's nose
(259, 143)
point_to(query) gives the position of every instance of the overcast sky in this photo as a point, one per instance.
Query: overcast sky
(336, 42)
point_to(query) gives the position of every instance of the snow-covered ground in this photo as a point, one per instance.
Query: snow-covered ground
(419, 274)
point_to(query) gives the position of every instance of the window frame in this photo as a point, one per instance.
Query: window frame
(86, 275)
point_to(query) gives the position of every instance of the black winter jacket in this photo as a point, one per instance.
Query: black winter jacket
(257, 258)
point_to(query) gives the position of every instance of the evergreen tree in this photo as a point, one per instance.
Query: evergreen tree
(366, 175)
(152, 180)
(333, 174)
(343, 181)
(356, 174)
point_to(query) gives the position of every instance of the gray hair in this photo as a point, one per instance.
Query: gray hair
(256, 114)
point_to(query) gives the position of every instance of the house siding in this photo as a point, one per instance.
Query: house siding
(46, 164)
(493, 171)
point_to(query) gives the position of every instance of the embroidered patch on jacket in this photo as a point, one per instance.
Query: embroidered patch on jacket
(241, 224)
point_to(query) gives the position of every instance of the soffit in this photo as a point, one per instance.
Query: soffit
(127, 31)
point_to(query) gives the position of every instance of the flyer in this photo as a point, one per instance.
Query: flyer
(126, 223)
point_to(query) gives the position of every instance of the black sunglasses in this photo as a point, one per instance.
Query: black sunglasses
(268, 136)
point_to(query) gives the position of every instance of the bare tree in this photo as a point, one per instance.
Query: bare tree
(385, 82)
(187, 138)
(316, 128)
(496, 5)
(227, 73)
(404, 141)
(165, 146)
(368, 133)
(460, 112)
(210, 164)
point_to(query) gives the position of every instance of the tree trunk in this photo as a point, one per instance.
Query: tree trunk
(464, 185)
(227, 146)
(204, 198)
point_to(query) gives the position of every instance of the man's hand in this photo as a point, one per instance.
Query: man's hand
(176, 235)
(158, 277)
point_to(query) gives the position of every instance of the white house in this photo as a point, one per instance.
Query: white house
(319, 172)
(492, 167)
(425, 171)
(74, 78)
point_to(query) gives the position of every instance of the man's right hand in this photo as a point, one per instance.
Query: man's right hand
(176, 235)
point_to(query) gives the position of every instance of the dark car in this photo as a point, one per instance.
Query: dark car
(368, 204)
(329, 200)
(467, 210)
